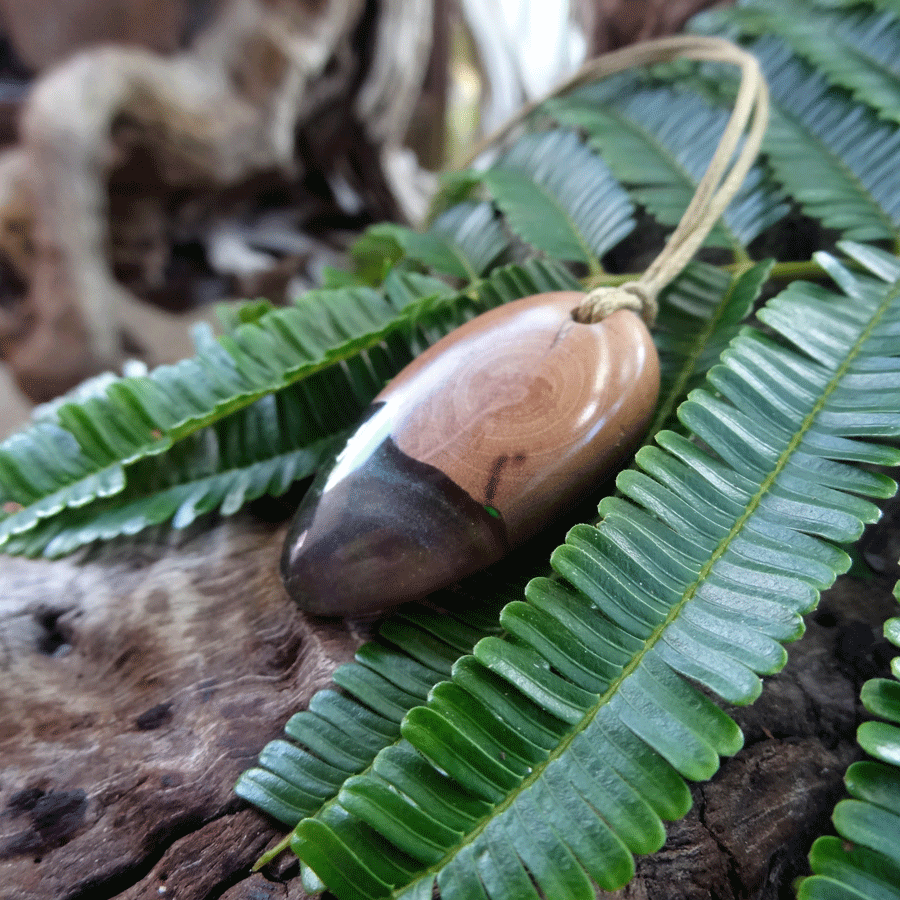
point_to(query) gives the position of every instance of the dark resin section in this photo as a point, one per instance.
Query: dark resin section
(391, 530)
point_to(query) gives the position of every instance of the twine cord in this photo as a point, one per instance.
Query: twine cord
(735, 154)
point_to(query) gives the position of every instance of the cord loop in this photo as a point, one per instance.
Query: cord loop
(737, 150)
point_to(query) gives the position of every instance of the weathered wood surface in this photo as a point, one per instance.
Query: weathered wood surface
(127, 154)
(135, 689)
(137, 685)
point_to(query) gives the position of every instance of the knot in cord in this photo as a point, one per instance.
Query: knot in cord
(603, 301)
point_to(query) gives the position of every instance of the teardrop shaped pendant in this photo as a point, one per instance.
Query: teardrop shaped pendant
(472, 448)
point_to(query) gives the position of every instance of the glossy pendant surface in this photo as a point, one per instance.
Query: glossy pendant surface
(472, 448)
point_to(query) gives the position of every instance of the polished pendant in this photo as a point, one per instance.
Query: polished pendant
(475, 446)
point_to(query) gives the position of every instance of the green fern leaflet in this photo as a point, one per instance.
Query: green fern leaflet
(866, 863)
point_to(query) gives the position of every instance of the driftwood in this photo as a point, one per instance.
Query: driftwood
(138, 684)
(135, 688)
(125, 150)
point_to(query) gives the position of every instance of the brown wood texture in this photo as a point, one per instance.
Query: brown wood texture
(134, 690)
(136, 686)
(475, 446)
(525, 408)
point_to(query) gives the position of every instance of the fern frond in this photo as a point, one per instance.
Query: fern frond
(48, 469)
(392, 674)
(857, 49)
(659, 141)
(864, 863)
(255, 452)
(687, 577)
(461, 242)
(142, 417)
(832, 155)
(560, 197)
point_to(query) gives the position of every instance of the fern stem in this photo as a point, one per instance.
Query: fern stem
(275, 851)
(742, 259)
(788, 271)
(604, 279)
(782, 271)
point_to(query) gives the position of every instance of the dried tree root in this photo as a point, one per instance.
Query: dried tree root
(199, 121)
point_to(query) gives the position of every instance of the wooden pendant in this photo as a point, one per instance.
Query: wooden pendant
(472, 448)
